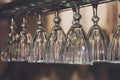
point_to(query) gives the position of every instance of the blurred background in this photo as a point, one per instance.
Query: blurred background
(23, 71)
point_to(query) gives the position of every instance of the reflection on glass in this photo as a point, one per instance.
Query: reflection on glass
(25, 41)
(9, 51)
(55, 42)
(39, 42)
(97, 38)
(77, 47)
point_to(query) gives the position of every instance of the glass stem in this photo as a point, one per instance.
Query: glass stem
(57, 18)
(78, 11)
(40, 21)
(24, 23)
(76, 14)
(95, 9)
(56, 13)
(12, 25)
(95, 6)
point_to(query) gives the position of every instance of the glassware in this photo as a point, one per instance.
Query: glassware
(39, 42)
(24, 43)
(76, 50)
(97, 38)
(9, 51)
(55, 42)
(114, 46)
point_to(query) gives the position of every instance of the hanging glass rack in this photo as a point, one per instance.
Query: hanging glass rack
(48, 6)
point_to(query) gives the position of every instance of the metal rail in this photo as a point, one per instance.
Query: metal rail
(50, 6)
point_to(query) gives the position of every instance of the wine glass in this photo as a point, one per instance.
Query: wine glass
(97, 38)
(55, 42)
(39, 42)
(114, 46)
(76, 50)
(9, 51)
(24, 43)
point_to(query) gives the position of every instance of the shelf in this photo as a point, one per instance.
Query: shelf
(58, 64)
(23, 6)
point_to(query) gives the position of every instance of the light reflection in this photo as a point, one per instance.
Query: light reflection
(44, 78)
(5, 1)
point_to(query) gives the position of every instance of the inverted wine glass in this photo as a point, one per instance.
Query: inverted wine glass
(9, 51)
(114, 46)
(55, 42)
(76, 50)
(39, 42)
(97, 38)
(24, 43)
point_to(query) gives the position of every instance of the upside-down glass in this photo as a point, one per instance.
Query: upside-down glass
(76, 50)
(114, 46)
(55, 42)
(24, 44)
(9, 51)
(39, 42)
(97, 38)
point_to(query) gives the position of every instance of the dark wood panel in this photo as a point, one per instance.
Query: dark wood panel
(29, 71)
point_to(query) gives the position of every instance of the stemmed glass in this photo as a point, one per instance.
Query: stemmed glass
(97, 38)
(39, 42)
(114, 46)
(9, 51)
(76, 50)
(55, 42)
(24, 43)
